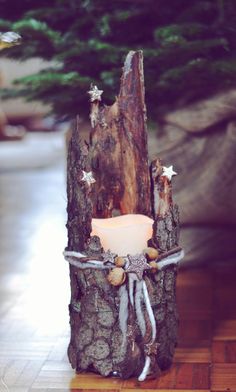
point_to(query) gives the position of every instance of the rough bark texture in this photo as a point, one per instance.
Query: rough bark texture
(119, 148)
(117, 156)
(165, 237)
(96, 339)
(166, 315)
(79, 204)
(166, 214)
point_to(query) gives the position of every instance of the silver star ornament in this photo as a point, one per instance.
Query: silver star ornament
(95, 94)
(108, 257)
(88, 177)
(168, 172)
(137, 264)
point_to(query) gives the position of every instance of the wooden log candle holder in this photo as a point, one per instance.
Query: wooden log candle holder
(123, 312)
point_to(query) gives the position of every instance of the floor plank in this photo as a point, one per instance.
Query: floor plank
(223, 377)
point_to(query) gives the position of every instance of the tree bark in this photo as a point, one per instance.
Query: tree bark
(118, 158)
(165, 238)
(166, 213)
(118, 146)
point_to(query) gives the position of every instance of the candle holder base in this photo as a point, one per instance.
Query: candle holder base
(97, 342)
(123, 313)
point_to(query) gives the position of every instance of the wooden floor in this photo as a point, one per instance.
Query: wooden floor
(34, 294)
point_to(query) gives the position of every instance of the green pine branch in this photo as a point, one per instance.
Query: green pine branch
(189, 48)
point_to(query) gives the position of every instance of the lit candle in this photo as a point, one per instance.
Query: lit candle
(125, 234)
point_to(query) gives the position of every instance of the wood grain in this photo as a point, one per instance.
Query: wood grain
(34, 325)
(118, 148)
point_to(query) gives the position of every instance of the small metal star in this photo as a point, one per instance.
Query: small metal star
(137, 264)
(108, 257)
(95, 94)
(168, 172)
(151, 348)
(88, 177)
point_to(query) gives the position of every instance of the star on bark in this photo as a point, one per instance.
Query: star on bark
(88, 177)
(168, 172)
(137, 264)
(108, 257)
(95, 94)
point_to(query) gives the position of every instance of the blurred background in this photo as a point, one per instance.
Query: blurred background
(190, 77)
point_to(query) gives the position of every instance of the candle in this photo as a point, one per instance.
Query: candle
(125, 234)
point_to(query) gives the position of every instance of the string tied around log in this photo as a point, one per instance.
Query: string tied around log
(77, 259)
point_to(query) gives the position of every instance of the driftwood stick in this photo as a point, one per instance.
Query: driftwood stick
(169, 253)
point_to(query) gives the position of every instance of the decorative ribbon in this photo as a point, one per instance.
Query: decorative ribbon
(73, 258)
(145, 371)
(173, 259)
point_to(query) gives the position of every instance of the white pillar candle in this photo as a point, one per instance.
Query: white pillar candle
(125, 234)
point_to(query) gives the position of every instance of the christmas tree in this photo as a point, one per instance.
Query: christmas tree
(189, 48)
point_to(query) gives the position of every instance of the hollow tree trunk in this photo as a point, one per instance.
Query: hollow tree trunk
(118, 158)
